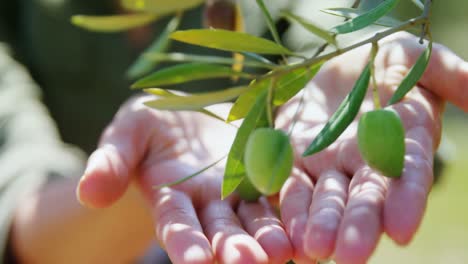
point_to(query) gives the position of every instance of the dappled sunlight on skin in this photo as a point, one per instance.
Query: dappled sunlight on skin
(361, 226)
(325, 213)
(230, 242)
(261, 221)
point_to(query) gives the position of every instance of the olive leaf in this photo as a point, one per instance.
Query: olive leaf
(311, 27)
(345, 114)
(184, 57)
(165, 93)
(235, 168)
(365, 19)
(269, 21)
(113, 23)
(143, 65)
(187, 72)
(160, 7)
(229, 41)
(197, 101)
(287, 86)
(413, 76)
(351, 13)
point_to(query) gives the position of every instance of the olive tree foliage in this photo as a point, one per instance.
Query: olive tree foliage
(266, 72)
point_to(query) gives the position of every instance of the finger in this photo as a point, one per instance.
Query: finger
(326, 212)
(230, 242)
(260, 221)
(295, 199)
(407, 196)
(122, 146)
(178, 229)
(361, 226)
(446, 74)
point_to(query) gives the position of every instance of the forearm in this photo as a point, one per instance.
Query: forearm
(50, 226)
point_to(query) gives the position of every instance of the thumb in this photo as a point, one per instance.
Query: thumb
(110, 167)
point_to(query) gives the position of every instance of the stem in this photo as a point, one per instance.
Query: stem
(375, 92)
(298, 111)
(425, 26)
(424, 18)
(269, 105)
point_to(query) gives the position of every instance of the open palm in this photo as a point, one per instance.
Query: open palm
(191, 222)
(335, 206)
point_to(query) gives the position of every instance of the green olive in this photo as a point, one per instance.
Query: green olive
(381, 140)
(247, 191)
(268, 159)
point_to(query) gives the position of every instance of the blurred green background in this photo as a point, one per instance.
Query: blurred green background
(443, 235)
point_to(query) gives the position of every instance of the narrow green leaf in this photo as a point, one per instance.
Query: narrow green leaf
(269, 21)
(287, 86)
(366, 19)
(345, 114)
(312, 28)
(143, 65)
(166, 93)
(414, 75)
(258, 58)
(112, 23)
(182, 57)
(184, 179)
(351, 13)
(160, 7)
(229, 41)
(187, 72)
(235, 169)
(245, 102)
(197, 101)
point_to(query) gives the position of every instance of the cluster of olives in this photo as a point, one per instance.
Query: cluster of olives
(269, 155)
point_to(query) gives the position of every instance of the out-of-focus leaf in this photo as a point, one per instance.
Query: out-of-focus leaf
(314, 29)
(258, 58)
(229, 41)
(413, 76)
(235, 169)
(418, 4)
(196, 101)
(287, 86)
(143, 65)
(366, 19)
(160, 7)
(187, 72)
(269, 21)
(166, 93)
(345, 114)
(351, 13)
(114, 23)
(182, 57)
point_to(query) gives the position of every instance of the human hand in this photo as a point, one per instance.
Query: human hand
(191, 223)
(334, 205)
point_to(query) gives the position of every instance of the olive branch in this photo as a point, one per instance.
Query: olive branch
(258, 93)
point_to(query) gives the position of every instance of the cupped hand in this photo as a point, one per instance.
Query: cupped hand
(334, 205)
(148, 148)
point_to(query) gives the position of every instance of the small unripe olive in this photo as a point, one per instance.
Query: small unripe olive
(381, 140)
(220, 14)
(247, 191)
(268, 159)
